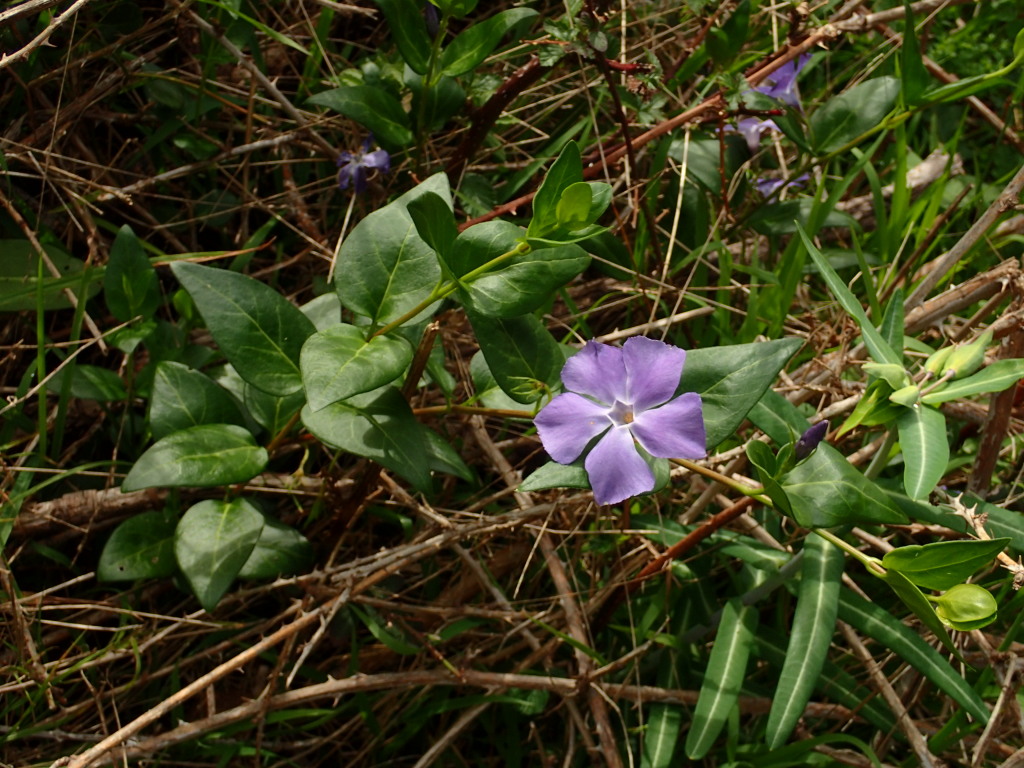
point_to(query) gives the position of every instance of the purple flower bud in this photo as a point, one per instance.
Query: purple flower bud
(622, 398)
(809, 440)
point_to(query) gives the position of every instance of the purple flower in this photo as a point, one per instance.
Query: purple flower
(768, 187)
(779, 85)
(353, 167)
(622, 398)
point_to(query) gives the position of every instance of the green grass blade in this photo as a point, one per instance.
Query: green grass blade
(813, 625)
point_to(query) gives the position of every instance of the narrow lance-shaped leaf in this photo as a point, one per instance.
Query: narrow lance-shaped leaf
(995, 378)
(474, 44)
(813, 625)
(664, 722)
(943, 564)
(130, 284)
(723, 679)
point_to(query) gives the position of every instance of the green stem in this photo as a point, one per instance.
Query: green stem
(881, 457)
(873, 564)
(474, 409)
(428, 82)
(446, 288)
(746, 490)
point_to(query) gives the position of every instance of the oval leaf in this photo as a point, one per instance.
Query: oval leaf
(257, 328)
(183, 397)
(203, 457)
(943, 564)
(373, 108)
(925, 449)
(130, 284)
(474, 44)
(339, 363)
(280, 550)
(848, 116)
(142, 547)
(525, 360)
(212, 543)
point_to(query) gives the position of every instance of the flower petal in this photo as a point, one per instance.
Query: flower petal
(616, 469)
(653, 370)
(378, 159)
(596, 370)
(568, 423)
(345, 175)
(673, 431)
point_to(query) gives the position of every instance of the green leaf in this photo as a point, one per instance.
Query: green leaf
(339, 362)
(523, 357)
(280, 550)
(183, 398)
(384, 267)
(664, 723)
(943, 564)
(573, 209)
(212, 543)
(892, 321)
(201, 457)
(389, 635)
(730, 380)
(555, 475)
(814, 622)
(915, 600)
(90, 382)
(434, 105)
(848, 116)
(925, 449)
(826, 491)
(893, 635)
(724, 676)
(474, 44)
(442, 457)
(994, 378)
(565, 171)
(877, 346)
(142, 547)
(373, 108)
(409, 30)
(130, 284)
(784, 218)
(528, 280)
(913, 75)
(260, 332)
(19, 276)
(377, 425)
(435, 222)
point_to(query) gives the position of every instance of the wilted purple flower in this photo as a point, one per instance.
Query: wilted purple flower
(769, 187)
(623, 397)
(353, 167)
(810, 439)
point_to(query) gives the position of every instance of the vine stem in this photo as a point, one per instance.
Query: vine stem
(746, 490)
(872, 564)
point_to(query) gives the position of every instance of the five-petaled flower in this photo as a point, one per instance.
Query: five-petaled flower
(353, 166)
(618, 399)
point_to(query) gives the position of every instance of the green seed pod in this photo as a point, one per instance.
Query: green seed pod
(967, 359)
(936, 364)
(907, 396)
(966, 607)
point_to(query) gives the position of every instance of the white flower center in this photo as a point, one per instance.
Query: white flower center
(621, 414)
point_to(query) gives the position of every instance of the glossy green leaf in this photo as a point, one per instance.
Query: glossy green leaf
(130, 285)
(19, 276)
(723, 678)
(994, 378)
(442, 457)
(573, 209)
(826, 491)
(260, 332)
(565, 171)
(373, 108)
(182, 397)
(522, 355)
(384, 267)
(915, 600)
(525, 282)
(475, 43)
(730, 380)
(893, 321)
(873, 408)
(814, 622)
(943, 564)
(280, 550)
(339, 362)
(435, 104)
(142, 547)
(925, 447)
(435, 222)
(893, 635)
(848, 116)
(201, 457)
(213, 541)
(377, 425)
(767, 467)
(664, 724)
(777, 417)
(555, 475)
(876, 344)
(409, 31)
